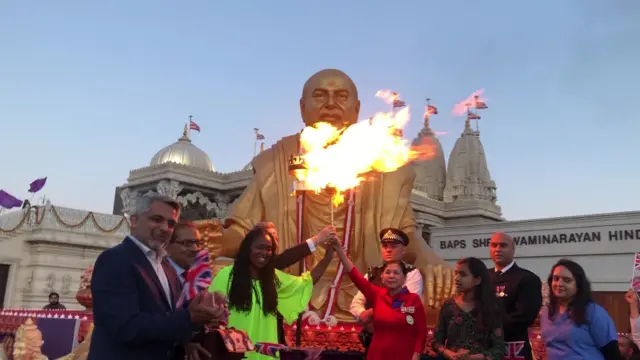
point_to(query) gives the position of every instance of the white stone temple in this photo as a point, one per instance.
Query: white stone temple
(46, 248)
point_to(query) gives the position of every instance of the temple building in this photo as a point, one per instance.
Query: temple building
(46, 248)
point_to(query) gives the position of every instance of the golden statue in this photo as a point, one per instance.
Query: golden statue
(28, 342)
(329, 96)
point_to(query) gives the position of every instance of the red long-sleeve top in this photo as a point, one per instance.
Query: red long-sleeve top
(399, 322)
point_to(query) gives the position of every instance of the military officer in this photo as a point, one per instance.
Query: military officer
(392, 246)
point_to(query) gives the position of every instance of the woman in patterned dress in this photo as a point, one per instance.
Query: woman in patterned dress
(469, 325)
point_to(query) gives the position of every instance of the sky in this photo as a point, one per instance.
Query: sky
(90, 90)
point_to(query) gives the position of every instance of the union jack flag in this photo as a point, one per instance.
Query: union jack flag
(259, 136)
(194, 126)
(197, 278)
(269, 349)
(472, 116)
(635, 281)
(397, 103)
(479, 104)
(514, 350)
(431, 110)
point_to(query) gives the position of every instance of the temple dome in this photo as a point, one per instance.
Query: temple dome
(185, 153)
(468, 176)
(430, 174)
(249, 166)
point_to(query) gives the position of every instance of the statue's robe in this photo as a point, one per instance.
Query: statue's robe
(379, 203)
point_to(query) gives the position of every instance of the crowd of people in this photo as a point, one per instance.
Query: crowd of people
(140, 309)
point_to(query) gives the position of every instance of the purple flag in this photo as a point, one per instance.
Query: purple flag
(59, 336)
(9, 201)
(37, 185)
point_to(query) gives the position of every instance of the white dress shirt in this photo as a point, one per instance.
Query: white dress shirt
(505, 269)
(179, 270)
(155, 259)
(413, 282)
(312, 245)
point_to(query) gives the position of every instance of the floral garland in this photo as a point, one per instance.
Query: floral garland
(40, 213)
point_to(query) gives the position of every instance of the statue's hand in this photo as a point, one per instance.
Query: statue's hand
(211, 234)
(439, 280)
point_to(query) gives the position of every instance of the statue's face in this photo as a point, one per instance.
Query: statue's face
(330, 96)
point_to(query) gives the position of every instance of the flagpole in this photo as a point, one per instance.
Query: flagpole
(255, 142)
(189, 125)
(393, 103)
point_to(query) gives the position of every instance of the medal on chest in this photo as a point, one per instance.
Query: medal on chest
(409, 319)
(408, 310)
(500, 291)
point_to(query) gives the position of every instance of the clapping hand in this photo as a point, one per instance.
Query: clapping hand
(203, 310)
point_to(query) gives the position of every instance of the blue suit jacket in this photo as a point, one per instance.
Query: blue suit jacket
(131, 314)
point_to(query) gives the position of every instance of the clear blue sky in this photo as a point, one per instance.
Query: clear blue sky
(92, 89)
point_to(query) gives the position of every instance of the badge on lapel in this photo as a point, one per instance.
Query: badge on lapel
(500, 291)
(408, 310)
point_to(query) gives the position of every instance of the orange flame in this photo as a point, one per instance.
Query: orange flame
(340, 159)
(471, 102)
(387, 96)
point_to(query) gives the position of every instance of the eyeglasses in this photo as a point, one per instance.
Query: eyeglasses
(190, 243)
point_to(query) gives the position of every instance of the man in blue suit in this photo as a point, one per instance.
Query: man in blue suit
(135, 290)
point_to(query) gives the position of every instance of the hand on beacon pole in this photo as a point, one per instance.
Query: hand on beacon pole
(325, 235)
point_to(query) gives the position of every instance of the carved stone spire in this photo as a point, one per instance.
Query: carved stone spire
(431, 173)
(469, 182)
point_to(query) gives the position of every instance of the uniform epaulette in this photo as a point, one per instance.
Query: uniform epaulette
(409, 267)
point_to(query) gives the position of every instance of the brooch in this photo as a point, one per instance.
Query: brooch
(409, 319)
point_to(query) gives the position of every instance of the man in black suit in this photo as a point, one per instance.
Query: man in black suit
(520, 293)
(135, 290)
(182, 250)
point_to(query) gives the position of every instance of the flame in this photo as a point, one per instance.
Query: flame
(471, 102)
(340, 159)
(387, 96)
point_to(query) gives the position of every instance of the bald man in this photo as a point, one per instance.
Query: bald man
(519, 291)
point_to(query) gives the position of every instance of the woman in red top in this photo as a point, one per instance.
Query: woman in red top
(398, 315)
